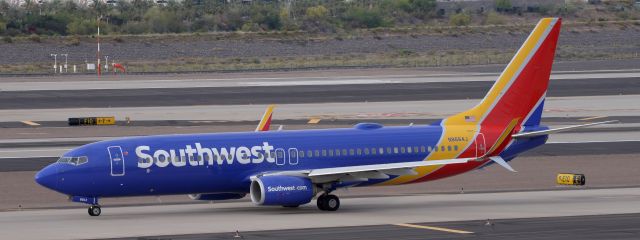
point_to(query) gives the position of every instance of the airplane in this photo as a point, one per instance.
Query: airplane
(290, 168)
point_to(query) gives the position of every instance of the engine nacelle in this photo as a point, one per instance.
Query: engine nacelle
(216, 196)
(282, 190)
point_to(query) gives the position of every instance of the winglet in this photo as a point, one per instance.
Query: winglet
(265, 122)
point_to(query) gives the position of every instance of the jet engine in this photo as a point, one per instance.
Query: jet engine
(289, 191)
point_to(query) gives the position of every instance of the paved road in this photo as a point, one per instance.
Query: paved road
(594, 227)
(583, 106)
(242, 216)
(372, 91)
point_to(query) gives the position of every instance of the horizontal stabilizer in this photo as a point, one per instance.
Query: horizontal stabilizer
(557, 130)
(502, 162)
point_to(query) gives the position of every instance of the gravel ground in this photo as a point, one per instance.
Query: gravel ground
(609, 41)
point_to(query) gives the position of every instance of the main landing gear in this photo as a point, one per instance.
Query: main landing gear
(94, 210)
(328, 202)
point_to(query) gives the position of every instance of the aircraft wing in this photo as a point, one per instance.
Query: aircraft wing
(556, 130)
(365, 172)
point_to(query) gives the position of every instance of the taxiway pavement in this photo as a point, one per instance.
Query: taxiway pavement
(228, 217)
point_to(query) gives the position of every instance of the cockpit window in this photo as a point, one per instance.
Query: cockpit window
(74, 160)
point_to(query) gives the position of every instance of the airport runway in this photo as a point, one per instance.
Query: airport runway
(594, 227)
(161, 94)
(581, 106)
(178, 104)
(432, 209)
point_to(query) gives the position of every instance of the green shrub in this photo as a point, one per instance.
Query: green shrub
(35, 38)
(494, 18)
(460, 19)
(364, 18)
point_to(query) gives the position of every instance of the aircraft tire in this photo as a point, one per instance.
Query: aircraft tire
(321, 202)
(331, 203)
(94, 211)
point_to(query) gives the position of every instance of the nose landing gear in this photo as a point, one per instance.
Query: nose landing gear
(328, 202)
(94, 210)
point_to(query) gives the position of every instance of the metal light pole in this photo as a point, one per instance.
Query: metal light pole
(55, 62)
(106, 63)
(98, 53)
(65, 61)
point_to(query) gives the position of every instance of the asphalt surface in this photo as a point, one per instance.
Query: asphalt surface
(596, 227)
(159, 220)
(296, 94)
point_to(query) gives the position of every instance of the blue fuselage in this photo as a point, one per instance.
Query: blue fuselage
(224, 162)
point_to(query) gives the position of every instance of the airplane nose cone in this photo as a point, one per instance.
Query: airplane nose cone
(47, 177)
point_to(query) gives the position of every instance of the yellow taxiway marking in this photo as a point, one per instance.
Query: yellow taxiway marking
(314, 120)
(591, 118)
(433, 228)
(31, 123)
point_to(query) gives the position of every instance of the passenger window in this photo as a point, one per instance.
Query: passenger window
(381, 150)
(359, 151)
(402, 150)
(388, 150)
(344, 152)
(366, 151)
(337, 152)
(435, 148)
(423, 149)
(449, 148)
(455, 147)
(309, 153)
(301, 153)
(317, 153)
(442, 149)
(415, 149)
(395, 150)
(330, 152)
(408, 149)
(374, 151)
(324, 152)
(352, 152)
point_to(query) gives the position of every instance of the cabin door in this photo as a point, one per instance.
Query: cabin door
(117, 161)
(481, 148)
